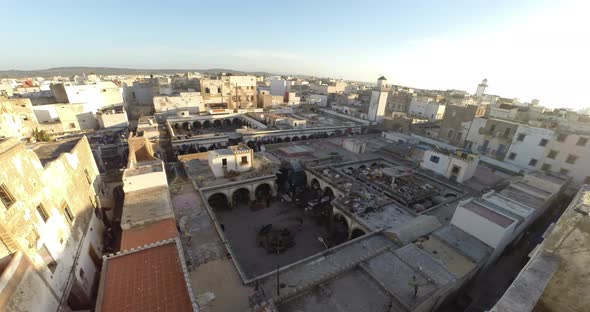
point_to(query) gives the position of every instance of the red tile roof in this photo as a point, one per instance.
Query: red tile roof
(147, 280)
(489, 214)
(149, 233)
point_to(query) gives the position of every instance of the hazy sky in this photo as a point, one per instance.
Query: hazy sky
(526, 49)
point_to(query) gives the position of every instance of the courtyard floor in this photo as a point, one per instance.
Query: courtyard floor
(242, 225)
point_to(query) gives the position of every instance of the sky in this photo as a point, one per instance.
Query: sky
(526, 49)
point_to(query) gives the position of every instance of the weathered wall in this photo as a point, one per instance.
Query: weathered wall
(73, 180)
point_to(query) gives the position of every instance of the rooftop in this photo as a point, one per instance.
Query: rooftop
(488, 214)
(468, 245)
(150, 279)
(555, 277)
(197, 167)
(49, 151)
(146, 206)
(148, 233)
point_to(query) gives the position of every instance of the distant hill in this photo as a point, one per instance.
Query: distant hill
(71, 71)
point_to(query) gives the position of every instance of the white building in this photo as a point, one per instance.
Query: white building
(426, 107)
(378, 101)
(528, 147)
(278, 87)
(238, 158)
(317, 99)
(115, 117)
(99, 95)
(457, 166)
(185, 101)
(498, 219)
(568, 153)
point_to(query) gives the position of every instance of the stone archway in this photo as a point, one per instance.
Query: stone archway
(295, 139)
(202, 149)
(237, 122)
(279, 140)
(340, 229)
(328, 192)
(211, 147)
(207, 124)
(263, 191)
(357, 233)
(303, 137)
(186, 126)
(241, 197)
(218, 201)
(227, 123)
(217, 123)
(315, 184)
(287, 139)
(196, 124)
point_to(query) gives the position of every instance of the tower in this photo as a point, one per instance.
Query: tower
(481, 88)
(378, 100)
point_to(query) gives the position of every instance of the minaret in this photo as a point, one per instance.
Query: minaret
(481, 88)
(378, 100)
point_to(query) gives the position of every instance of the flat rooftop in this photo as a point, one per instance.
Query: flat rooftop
(49, 151)
(489, 214)
(197, 168)
(146, 206)
(466, 244)
(151, 279)
(452, 259)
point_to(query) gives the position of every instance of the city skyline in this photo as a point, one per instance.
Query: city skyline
(526, 50)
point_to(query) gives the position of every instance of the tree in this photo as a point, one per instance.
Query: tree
(41, 135)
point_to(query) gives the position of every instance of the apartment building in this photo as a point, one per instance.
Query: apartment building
(51, 228)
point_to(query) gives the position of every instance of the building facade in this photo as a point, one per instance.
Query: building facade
(50, 223)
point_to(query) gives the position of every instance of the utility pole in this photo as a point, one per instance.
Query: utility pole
(278, 283)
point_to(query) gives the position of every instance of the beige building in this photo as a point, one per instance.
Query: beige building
(50, 226)
(234, 92)
(17, 118)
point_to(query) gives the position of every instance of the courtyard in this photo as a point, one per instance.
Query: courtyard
(242, 224)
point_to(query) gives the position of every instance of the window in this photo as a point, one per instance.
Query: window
(512, 156)
(563, 171)
(87, 177)
(72, 125)
(546, 167)
(561, 137)
(244, 160)
(552, 154)
(587, 180)
(533, 162)
(450, 134)
(47, 258)
(521, 137)
(42, 212)
(571, 159)
(507, 132)
(543, 142)
(492, 129)
(434, 159)
(5, 197)
(224, 162)
(582, 141)
(67, 212)
(456, 169)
